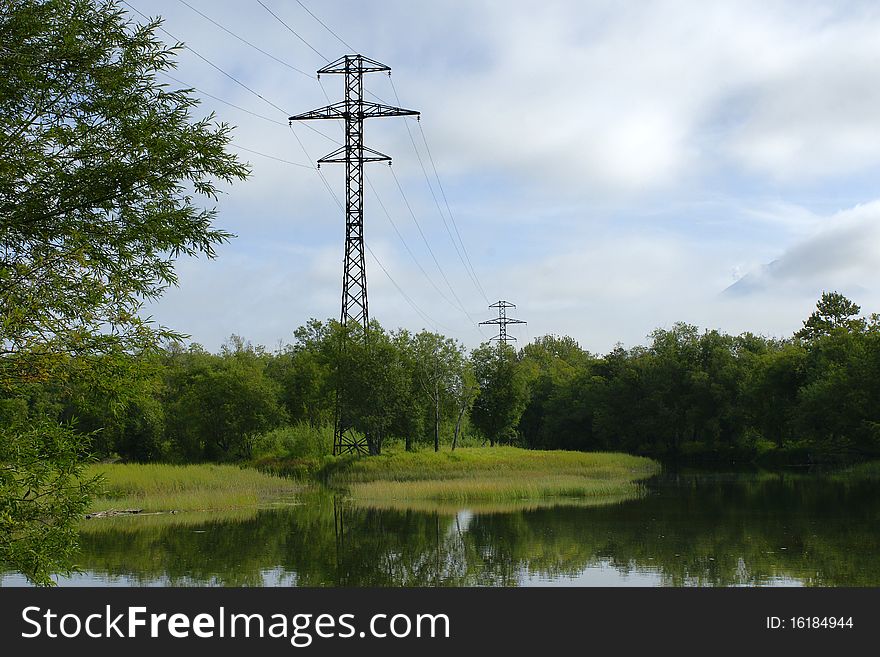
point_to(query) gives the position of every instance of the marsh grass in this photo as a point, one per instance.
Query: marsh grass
(491, 475)
(160, 487)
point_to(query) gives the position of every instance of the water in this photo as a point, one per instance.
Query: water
(755, 529)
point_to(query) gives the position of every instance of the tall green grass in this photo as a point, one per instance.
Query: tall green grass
(489, 461)
(161, 487)
(491, 475)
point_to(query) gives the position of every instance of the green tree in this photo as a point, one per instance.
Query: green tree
(503, 392)
(223, 402)
(464, 392)
(833, 311)
(550, 363)
(371, 374)
(377, 385)
(439, 370)
(102, 176)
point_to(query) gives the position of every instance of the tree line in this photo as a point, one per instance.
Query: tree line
(688, 394)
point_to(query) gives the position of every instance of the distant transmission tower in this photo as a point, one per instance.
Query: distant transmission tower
(353, 110)
(502, 321)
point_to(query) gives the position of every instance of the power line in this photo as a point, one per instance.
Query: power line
(502, 321)
(320, 173)
(406, 245)
(220, 100)
(437, 202)
(226, 102)
(275, 106)
(271, 157)
(245, 41)
(338, 38)
(451, 216)
(382, 205)
(292, 31)
(412, 303)
(245, 110)
(207, 61)
(428, 244)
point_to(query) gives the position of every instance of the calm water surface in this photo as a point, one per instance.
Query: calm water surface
(755, 529)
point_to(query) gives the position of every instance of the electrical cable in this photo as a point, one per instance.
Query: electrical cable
(338, 38)
(428, 244)
(470, 274)
(292, 31)
(245, 41)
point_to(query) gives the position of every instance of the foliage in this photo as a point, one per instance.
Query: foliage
(296, 441)
(98, 170)
(103, 171)
(833, 311)
(42, 497)
(219, 404)
(503, 392)
(689, 394)
(713, 396)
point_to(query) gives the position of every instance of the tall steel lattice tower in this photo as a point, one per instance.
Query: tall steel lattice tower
(502, 321)
(353, 110)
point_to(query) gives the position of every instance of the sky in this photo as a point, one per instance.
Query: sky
(611, 168)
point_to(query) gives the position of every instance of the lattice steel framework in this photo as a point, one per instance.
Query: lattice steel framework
(353, 110)
(502, 321)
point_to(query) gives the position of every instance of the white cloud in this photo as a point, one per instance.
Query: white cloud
(611, 164)
(844, 254)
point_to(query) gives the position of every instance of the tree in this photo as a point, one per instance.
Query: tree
(102, 174)
(42, 497)
(503, 392)
(833, 311)
(464, 392)
(223, 402)
(550, 363)
(439, 370)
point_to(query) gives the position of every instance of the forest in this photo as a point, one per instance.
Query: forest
(689, 394)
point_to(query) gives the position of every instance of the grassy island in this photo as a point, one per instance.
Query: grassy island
(481, 475)
(491, 476)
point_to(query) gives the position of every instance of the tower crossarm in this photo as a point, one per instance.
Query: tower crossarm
(354, 64)
(341, 153)
(362, 110)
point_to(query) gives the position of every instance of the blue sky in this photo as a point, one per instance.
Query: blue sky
(611, 167)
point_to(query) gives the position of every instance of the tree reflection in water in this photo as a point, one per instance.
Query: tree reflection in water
(716, 530)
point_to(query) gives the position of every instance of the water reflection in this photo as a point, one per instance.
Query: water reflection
(715, 530)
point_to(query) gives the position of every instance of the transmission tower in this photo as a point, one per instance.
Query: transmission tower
(353, 110)
(502, 321)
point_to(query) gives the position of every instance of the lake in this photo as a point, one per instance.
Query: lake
(702, 529)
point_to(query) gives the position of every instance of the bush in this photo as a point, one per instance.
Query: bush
(295, 441)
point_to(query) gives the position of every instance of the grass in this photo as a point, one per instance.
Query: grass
(160, 487)
(491, 475)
